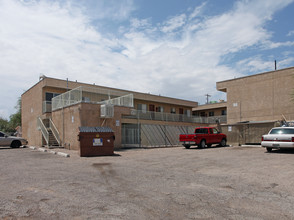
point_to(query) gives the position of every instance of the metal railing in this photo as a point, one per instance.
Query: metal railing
(163, 116)
(126, 100)
(68, 98)
(47, 106)
(54, 131)
(92, 95)
(44, 130)
(214, 119)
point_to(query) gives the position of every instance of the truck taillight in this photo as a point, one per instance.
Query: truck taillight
(292, 139)
(261, 138)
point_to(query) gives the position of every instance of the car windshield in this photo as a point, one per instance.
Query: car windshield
(2, 134)
(282, 131)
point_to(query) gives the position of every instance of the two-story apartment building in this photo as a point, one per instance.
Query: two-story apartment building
(254, 104)
(54, 109)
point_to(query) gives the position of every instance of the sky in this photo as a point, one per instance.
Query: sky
(174, 48)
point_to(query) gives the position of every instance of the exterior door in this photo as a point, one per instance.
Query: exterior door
(151, 108)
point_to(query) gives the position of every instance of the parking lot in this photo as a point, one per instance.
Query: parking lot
(168, 183)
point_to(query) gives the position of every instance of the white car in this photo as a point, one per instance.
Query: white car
(13, 142)
(277, 138)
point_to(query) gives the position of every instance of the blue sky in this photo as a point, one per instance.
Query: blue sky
(175, 48)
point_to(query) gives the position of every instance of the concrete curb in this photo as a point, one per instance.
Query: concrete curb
(41, 149)
(52, 152)
(49, 151)
(63, 154)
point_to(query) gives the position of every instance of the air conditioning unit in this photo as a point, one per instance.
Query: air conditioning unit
(106, 111)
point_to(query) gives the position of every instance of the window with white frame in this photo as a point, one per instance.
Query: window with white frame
(173, 110)
(142, 107)
(188, 112)
(159, 109)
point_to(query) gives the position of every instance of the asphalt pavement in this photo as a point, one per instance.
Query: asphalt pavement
(167, 183)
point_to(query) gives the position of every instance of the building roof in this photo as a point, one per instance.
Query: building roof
(222, 85)
(210, 106)
(68, 85)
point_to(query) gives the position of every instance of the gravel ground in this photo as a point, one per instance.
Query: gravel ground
(167, 183)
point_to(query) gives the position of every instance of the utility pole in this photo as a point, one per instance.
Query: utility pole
(207, 96)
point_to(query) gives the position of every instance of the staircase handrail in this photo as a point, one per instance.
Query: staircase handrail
(44, 131)
(54, 131)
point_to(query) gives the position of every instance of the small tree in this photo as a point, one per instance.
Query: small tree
(4, 125)
(15, 119)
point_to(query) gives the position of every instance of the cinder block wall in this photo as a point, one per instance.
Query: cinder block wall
(31, 109)
(260, 97)
(69, 119)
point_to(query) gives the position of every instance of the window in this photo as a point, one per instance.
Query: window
(1, 134)
(151, 108)
(159, 109)
(282, 131)
(202, 114)
(142, 107)
(49, 96)
(224, 112)
(188, 112)
(211, 113)
(195, 113)
(86, 99)
(173, 110)
(201, 131)
(215, 131)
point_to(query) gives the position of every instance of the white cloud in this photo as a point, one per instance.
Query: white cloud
(197, 11)
(273, 45)
(255, 64)
(291, 33)
(179, 57)
(174, 23)
(258, 64)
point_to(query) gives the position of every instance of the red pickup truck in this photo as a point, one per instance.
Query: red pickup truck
(203, 136)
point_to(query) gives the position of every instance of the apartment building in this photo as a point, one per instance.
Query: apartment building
(262, 97)
(216, 110)
(54, 109)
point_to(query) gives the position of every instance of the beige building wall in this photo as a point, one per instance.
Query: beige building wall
(262, 97)
(31, 109)
(69, 119)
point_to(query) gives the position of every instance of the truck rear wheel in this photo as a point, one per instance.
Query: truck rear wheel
(187, 146)
(223, 143)
(202, 144)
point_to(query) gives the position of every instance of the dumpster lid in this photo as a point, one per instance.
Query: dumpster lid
(95, 129)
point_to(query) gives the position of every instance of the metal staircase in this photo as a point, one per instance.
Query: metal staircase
(52, 139)
(49, 132)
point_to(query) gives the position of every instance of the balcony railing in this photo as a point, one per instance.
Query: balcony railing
(162, 116)
(47, 106)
